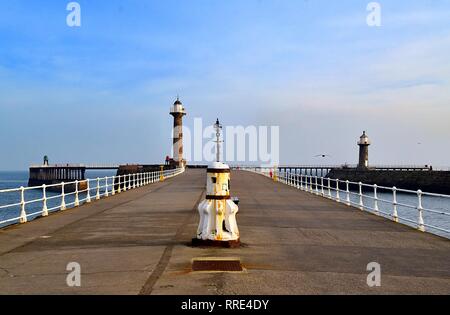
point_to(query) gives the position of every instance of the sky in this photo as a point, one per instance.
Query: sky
(101, 93)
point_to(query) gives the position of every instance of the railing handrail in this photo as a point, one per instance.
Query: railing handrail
(345, 165)
(104, 187)
(324, 186)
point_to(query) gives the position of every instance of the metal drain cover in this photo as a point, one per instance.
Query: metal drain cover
(217, 264)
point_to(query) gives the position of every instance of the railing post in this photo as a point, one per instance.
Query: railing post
(63, 198)
(421, 223)
(375, 196)
(106, 187)
(113, 188)
(77, 199)
(394, 204)
(322, 191)
(119, 189)
(44, 201)
(361, 200)
(338, 197)
(301, 181)
(97, 196)
(125, 182)
(134, 180)
(23, 213)
(88, 191)
(129, 182)
(347, 190)
(329, 188)
(317, 187)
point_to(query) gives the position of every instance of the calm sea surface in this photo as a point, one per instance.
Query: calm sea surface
(20, 178)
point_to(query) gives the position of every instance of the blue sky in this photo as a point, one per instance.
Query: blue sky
(101, 92)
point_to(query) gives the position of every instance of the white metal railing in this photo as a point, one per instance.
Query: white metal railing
(45, 200)
(367, 198)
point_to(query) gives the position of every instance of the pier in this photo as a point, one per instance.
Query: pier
(294, 242)
(53, 174)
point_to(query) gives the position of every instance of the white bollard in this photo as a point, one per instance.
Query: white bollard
(218, 226)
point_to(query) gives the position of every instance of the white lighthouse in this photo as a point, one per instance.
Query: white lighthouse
(178, 112)
(364, 144)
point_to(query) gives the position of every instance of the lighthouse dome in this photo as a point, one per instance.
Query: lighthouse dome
(177, 108)
(364, 139)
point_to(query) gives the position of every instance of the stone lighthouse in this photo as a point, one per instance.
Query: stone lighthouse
(363, 143)
(178, 111)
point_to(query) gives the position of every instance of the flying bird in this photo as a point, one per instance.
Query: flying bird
(323, 155)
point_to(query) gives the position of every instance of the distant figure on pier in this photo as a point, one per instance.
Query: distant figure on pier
(167, 160)
(45, 160)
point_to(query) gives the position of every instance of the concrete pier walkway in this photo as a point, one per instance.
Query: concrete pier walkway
(293, 243)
